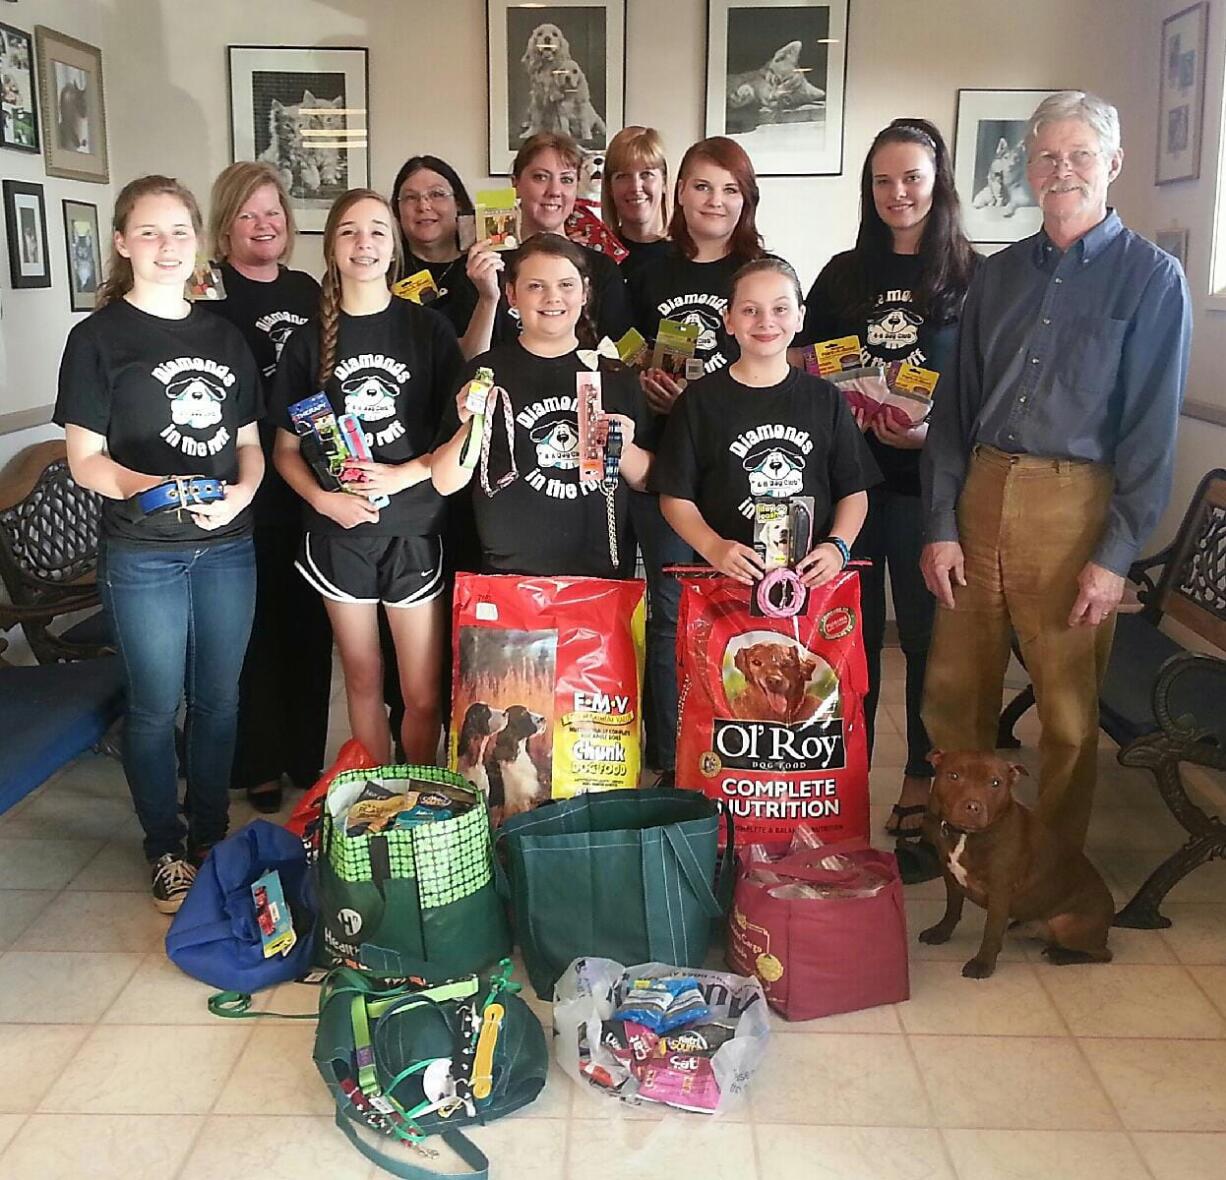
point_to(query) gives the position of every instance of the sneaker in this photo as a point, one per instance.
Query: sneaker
(172, 878)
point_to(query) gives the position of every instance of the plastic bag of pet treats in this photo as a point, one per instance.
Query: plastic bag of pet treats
(547, 686)
(771, 712)
(704, 1065)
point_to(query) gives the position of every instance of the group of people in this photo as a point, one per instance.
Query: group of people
(1018, 509)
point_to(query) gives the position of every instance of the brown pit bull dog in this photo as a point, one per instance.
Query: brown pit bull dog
(993, 850)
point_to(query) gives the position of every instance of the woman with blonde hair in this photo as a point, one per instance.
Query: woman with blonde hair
(634, 196)
(393, 365)
(286, 680)
(154, 391)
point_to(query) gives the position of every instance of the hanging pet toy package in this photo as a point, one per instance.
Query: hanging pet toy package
(683, 1038)
(771, 704)
(547, 687)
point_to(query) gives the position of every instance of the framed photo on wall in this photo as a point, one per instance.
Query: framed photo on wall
(83, 248)
(998, 204)
(1175, 242)
(304, 111)
(18, 105)
(776, 73)
(73, 107)
(25, 218)
(554, 67)
(1181, 94)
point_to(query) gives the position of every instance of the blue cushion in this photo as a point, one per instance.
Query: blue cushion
(52, 713)
(1126, 702)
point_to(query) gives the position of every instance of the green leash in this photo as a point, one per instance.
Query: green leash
(237, 1005)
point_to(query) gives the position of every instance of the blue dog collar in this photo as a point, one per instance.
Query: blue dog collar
(180, 492)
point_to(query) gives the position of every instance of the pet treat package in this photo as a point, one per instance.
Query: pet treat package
(684, 1038)
(547, 686)
(770, 709)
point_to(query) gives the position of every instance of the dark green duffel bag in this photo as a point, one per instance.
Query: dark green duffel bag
(410, 901)
(623, 875)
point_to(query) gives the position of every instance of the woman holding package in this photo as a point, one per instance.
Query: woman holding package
(286, 681)
(900, 290)
(634, 196)
(714, 233)
(429, 198)
(155, 391)
(391, 365)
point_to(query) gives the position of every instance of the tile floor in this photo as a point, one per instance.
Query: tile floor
(114, 1068)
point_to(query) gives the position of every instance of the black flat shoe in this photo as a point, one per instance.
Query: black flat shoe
(266, 798)
(917, 861)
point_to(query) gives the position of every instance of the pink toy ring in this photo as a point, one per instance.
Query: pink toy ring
(781, 594)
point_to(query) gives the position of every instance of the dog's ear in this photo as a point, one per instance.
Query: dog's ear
(1003, 148)
(808, 665)
(935, 757)
(1016, 771)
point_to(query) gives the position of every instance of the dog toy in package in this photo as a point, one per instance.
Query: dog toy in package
(498, 218)
(687, 1039)
(418, 287)
(770, 708)
(547, 685)
(676, 343)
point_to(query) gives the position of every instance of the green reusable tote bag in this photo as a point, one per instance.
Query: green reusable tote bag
(622, 875)
(409, 901)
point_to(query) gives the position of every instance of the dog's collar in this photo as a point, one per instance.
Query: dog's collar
(947, 827)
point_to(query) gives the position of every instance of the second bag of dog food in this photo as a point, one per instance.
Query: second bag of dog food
(547, 686)
(771, 712)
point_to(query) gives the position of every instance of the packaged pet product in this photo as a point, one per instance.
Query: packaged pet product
(547, 685)
(770, 709)
(823, 928)
(498, 218)
(676, 344)
(703, 1061)
(585, 227)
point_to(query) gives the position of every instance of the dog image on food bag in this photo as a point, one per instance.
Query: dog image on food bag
(997, 852)
(772, 678)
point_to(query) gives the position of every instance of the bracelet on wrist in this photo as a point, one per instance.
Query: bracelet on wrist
(841, 545)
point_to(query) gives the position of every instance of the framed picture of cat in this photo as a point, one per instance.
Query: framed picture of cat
(18, 104)
(998, 204)
(83, 247)
(73, 107)
(304, 111)
(25, 218)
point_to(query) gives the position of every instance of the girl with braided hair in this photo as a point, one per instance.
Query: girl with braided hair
(392, 365)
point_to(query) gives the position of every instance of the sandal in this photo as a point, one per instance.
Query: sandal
(898, 813)
(265, 797)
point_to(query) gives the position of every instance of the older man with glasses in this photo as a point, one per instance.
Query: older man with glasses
(1049, 460)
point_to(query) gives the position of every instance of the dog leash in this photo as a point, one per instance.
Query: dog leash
(781, 594)
(497, 396)
(608, 485)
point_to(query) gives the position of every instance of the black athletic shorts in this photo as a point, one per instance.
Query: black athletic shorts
(354, 567)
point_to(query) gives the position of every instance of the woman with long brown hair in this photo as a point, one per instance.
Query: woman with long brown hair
(392, 365)
(153, 391)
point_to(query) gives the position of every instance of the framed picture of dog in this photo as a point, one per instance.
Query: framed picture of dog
(555, 68)
(775, 82)
(998, 203)
(304, 111)
(18, 106)
(25, 217)
(73, 107)
(1181, 94)
(83, 247)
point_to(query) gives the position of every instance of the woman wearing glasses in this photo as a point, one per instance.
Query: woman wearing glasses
(429, 196)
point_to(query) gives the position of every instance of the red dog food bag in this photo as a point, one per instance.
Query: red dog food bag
(771, 710)
(547, 686)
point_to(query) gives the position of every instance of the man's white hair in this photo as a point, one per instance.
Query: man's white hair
(1096, 112)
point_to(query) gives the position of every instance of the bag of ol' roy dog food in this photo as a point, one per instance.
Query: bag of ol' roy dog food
(546, 686)
(770, 711)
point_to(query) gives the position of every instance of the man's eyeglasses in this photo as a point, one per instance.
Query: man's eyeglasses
(1049, 163)
(436, 196)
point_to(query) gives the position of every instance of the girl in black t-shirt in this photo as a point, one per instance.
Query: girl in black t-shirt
(714, 232)
(391, 364)
(900, 290)
(762, 428)
(534, 514)
(429, 197)
(286, 680)
(153, 387)
(634, 196)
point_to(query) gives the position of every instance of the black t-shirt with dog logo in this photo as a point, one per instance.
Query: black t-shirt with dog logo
(894, 330)
(170, 397)
(546, 521)
(726, 443)
(267, 314)
(395, 371)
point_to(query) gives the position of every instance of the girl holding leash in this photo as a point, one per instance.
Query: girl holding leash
(159, 400)
(763, 428)
(534, 514)
(900, 290)
(391, 365)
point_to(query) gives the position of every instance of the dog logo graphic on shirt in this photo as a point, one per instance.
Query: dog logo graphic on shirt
(278, 326)
(369, 397)
(370, 383)
(775, 471)
(896, 330)
(196, 390)
(708, 325)
(557, 444)
(195, 402)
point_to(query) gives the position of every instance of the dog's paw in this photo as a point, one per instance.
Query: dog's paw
(935, 935)
(977, 969)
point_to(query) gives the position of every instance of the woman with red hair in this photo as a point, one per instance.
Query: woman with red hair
(714, 233)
